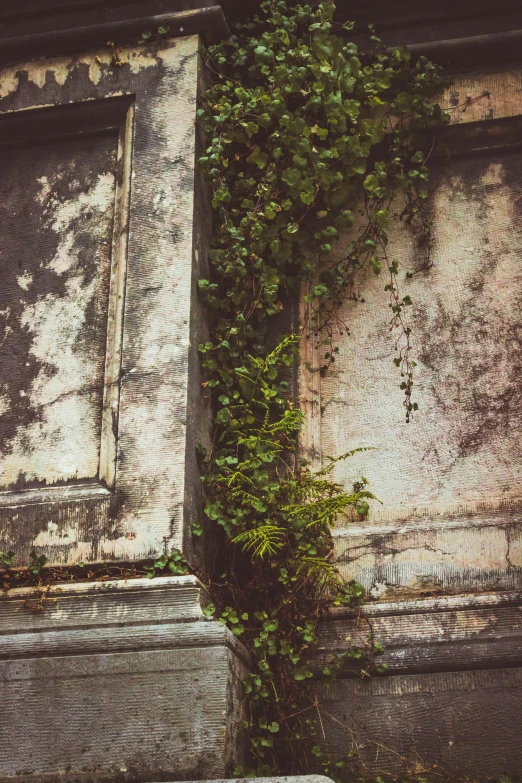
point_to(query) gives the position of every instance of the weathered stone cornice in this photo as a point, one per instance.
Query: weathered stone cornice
(110, 617)
(66, 33)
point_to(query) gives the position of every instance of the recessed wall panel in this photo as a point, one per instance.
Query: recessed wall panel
(462, 450)
(56, 222)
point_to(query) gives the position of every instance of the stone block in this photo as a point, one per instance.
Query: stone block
(461, 722)
(452, 694)
(118, 680)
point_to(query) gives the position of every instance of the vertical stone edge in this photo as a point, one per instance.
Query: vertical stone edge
(236, 741)
(198, 549)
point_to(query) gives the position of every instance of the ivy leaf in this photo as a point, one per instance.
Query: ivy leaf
(258, 157)
(223, 416)
(302, 673)
(362, 508)
(292, 176)
(307, 196)
(263, 55)
(251, 128)
(371, 183)
(294, 120)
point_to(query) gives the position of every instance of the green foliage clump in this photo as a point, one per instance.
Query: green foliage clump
(174, 564)
(309, 135)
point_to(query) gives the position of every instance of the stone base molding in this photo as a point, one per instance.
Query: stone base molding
(118, 680)
(452, 696)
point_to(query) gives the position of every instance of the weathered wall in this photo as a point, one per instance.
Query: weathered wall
(450, 481)
(450, 523)
(56, 224)
(101, 243)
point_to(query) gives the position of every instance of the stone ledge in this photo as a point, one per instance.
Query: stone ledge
(81, 34)
(451, 633)
(287, 779)
(449, 553)
(118, 680)
(110, 617)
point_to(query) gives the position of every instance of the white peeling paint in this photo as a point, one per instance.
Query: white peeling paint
(63, 442)
(491, 93)
(8, 82)
(4, 403)
(24, 281)
(37, 72)
(96, 202)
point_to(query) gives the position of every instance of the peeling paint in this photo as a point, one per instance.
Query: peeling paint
(8, 82)
(490, 93)
(37, 72)
(101, 64)
(144, 414)
(430, 556)
(65, 272)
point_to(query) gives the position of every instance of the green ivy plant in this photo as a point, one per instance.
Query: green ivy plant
(310, 136)
(173, 564)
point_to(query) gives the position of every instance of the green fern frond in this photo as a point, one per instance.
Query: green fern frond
(323, 511)
(247, 498)
(283, 345)
(238, 477)
(333, 460)
(292, 421)
(315, 565)
(262, 540)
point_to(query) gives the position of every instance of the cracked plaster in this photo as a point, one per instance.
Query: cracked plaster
(147, 411)
(450, 482)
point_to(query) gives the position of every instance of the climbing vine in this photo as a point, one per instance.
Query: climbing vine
(313, 132)
(310, 137)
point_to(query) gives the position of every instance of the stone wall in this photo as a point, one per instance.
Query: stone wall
(441, 558)
(100, 256)
(103, 233)
(450, 481)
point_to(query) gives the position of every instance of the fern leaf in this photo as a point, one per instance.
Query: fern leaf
(333, 460)
(316, 565)
(262, 540)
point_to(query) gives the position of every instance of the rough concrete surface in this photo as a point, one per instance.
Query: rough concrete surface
(117, 678)
(100, 255)
(450, 481)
